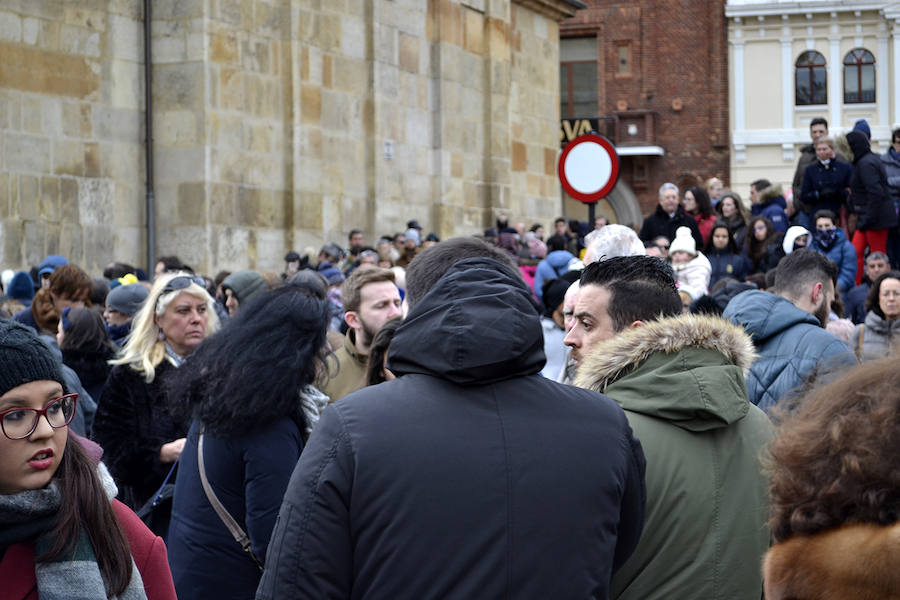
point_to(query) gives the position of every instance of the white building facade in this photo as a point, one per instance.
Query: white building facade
(793, 61)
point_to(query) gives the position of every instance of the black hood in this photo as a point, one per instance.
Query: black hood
(477, 325)
(859, 144)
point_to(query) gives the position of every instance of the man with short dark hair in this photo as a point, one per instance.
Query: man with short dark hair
(788, 328)
(370, 298)
(356, 238)
(679, 379)
(768, 201)
(468, 476)
(818, 128)
(829, 239)
(668, 217)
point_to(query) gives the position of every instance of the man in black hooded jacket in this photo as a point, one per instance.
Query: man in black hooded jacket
(870, 200)
(468, 476)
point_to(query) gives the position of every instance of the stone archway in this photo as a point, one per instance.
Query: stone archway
(621, 206)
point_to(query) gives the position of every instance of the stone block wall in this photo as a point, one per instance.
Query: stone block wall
(71, 105)
(277, 124)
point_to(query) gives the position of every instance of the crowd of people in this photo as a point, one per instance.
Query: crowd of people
(597, 412)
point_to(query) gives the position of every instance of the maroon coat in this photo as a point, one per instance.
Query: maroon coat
(148, 551)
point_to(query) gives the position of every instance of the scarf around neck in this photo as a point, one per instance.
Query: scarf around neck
(31, 515)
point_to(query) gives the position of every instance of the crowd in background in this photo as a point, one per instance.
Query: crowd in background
(377, 419)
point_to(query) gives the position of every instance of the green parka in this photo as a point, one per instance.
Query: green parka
(680, 381)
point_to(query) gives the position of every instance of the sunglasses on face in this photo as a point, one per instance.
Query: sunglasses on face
(181, 282)
(19, 423)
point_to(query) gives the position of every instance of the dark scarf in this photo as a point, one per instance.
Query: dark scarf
(826, 238)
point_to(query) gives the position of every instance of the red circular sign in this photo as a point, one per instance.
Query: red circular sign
(588, 167)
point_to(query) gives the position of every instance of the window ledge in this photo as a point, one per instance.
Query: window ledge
(859, 106)
(811, 107)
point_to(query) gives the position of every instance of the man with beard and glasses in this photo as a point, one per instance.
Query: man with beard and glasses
(370, 299)
(787, 329)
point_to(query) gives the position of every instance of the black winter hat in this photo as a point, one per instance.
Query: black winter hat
(554, 292)
(25, 358)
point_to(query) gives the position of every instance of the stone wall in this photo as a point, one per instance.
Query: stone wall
(277, 124)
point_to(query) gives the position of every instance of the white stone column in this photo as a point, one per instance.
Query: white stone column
(787, 84)
(895, 65)
(835, 97)
(740, 94)
(882, 73)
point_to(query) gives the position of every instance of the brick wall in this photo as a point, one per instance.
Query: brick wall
(679, 69)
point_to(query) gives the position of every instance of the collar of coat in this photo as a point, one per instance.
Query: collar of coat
(616, 357)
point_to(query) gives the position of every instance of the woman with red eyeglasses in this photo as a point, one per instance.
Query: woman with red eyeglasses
(62, 534)
(140, 438)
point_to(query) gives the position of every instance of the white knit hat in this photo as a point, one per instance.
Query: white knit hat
(683, 242)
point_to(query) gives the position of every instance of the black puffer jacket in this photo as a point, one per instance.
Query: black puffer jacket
(469, 476)
(870, 197)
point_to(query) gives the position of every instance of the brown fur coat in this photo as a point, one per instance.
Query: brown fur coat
(858, 562)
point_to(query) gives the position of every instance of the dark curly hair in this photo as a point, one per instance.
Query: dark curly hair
(873, 300)
(250, 373)
(834, 459)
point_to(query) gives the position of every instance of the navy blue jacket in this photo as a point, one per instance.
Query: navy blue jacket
(726, 264)
(825, 186)
(855, 302)
(468, 476)
(843, 254)
(794, 350)
(249, 475)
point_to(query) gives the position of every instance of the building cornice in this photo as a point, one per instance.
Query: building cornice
(776, 8)
(557, 10)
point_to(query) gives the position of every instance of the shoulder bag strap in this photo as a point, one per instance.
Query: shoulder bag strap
(239, 535)
(859, 341)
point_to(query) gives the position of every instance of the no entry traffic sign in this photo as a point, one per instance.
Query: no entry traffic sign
(589, 167)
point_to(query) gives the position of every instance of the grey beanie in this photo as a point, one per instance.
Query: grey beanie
(127, 299)
(245, 284)
(25, 358)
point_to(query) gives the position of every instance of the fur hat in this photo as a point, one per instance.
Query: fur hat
(127, 299)
(25, 358)
(683, 242)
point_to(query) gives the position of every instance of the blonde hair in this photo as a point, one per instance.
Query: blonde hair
(144, 350)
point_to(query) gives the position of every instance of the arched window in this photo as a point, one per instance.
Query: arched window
(811, 79)
(859, 76)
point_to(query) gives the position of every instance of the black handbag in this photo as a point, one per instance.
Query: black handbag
(157, 511)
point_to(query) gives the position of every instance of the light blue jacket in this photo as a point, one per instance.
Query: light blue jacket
(794, 350)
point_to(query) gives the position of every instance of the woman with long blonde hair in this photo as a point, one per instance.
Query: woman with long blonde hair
(141, 439)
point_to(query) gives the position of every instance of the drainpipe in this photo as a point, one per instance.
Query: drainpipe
(148, 143)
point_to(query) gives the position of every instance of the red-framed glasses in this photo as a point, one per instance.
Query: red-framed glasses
(19, 423)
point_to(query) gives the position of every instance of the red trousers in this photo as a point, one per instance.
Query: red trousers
(875, 239)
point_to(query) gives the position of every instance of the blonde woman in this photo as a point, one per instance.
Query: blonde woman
(140, 438)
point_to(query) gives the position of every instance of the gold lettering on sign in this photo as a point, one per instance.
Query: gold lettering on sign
(572, 128)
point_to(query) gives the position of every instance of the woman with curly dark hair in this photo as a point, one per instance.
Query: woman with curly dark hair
(835, 491)
(763, 245)
(250, 393)
(874, 338)
(376, 372)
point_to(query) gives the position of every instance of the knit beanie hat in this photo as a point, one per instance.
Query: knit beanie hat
(245, 284)
(683, 242)
(863, 126)
(553, 294)
(25, 358)
(127, 299)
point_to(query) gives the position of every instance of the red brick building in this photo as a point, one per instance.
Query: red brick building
(661, 87)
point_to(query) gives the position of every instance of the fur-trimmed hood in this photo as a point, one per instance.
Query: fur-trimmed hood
(686, 369)
(771, 194)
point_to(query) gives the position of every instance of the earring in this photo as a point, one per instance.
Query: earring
(161, 336)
